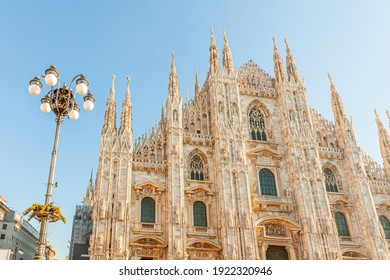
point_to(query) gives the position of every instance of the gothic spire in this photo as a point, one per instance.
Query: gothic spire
(109, 125)
(197, 86)
(384, 144)
(292, 69)
(337, 104)
(89, 193)
(126, 111)
(227, 59)
(214, 57)
(173, 87)
(162, 110)
(280, 73)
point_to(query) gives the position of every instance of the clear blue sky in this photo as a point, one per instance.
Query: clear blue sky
(350, 39)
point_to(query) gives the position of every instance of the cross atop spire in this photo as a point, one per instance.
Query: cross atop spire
(292, 69)
(227, 59)
(173, 87)
(214, 57)
(280, 73)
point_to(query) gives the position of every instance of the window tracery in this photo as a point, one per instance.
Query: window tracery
(257, 125)
(330, 181)
(197, 168)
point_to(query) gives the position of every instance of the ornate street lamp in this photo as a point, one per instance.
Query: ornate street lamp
(62, 102)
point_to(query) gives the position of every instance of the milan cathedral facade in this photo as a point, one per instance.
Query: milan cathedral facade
(245, 170)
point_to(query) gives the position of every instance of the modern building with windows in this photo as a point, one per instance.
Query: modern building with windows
(245, 170)
(82, 227)
(18, 236)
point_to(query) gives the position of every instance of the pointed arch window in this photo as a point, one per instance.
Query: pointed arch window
(148, 210)
(341, 224)
(257, 125)
(386, 226)
(267, 182)
(200, 215)
(197, 171)
(330, 181)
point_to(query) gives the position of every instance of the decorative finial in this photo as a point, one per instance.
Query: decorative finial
(128, 80)
(212, 31)
(173, 57)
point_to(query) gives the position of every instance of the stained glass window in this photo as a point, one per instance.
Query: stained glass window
(386, 226)
(330, 181)
(267, 182)
(200, 217)
(341, 224)
(257, 125)
(148, 210)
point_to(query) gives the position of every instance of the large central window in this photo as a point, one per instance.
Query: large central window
(148, 210)
(200, 217)
(267, 182)
(341, 224)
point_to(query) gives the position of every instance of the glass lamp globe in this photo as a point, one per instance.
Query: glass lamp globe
(45, 107)
(73, 115)
(81, 88)
(34, 89)
(51, 79)
(88, 105)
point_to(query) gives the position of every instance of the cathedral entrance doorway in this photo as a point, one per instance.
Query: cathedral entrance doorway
(276, 253)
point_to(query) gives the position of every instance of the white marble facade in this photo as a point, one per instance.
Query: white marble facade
(245, 170)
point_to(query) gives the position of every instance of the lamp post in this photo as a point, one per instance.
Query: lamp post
(17, 250)
(62, 102)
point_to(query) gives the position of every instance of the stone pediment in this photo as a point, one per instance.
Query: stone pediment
(198, 192)
(148, 189)
(264, 156)
(340, 204)
(383, 208)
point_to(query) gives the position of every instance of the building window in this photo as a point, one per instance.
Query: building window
(2, 236)
(341, 224)
(200, 217)
(257, 125)
(386, 226)
(330, 181)
(267, 182)
(148, 210)
(196, 168)
(5, 226)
